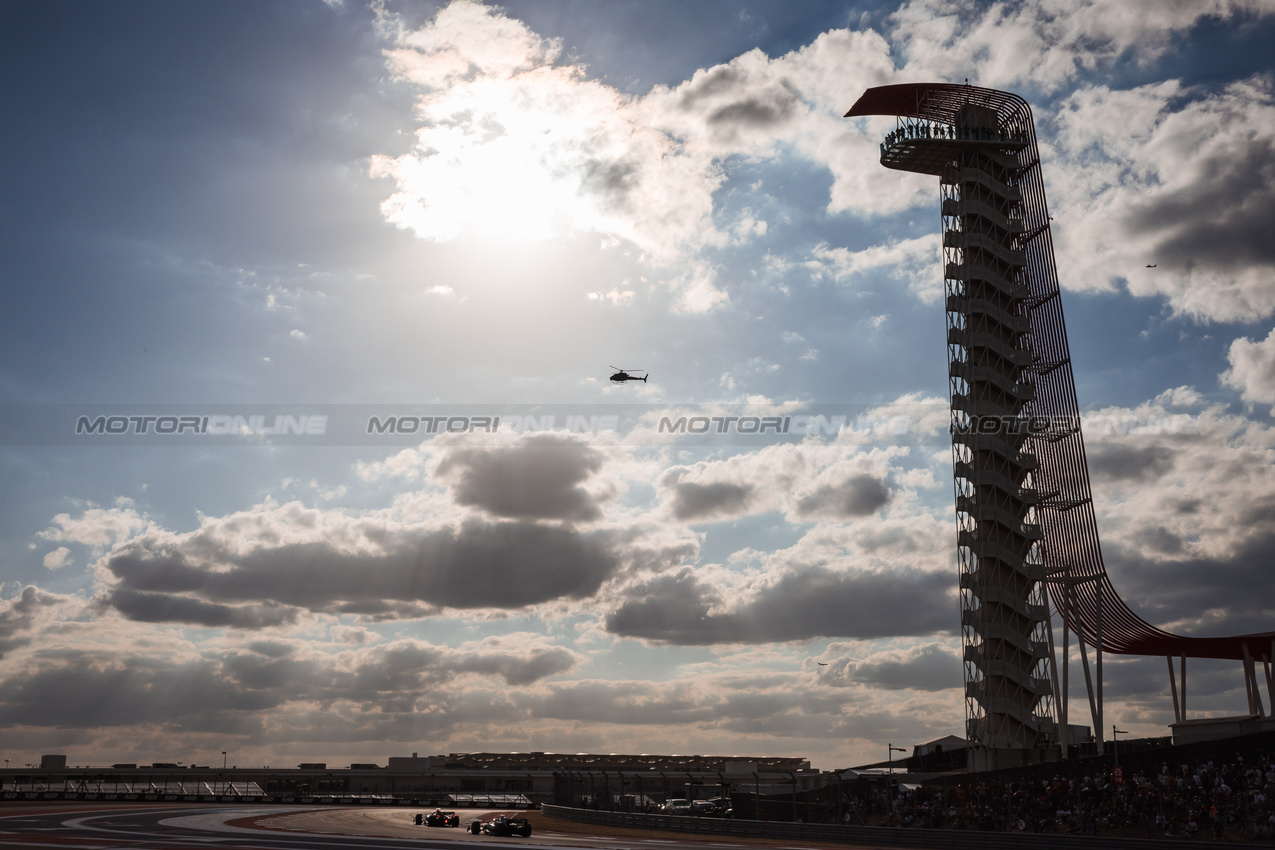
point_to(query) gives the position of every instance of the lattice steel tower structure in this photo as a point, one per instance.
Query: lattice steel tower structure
(1025, 516)
(958, 134)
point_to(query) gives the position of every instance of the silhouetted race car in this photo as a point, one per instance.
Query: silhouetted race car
(505, 826)
(438, 817)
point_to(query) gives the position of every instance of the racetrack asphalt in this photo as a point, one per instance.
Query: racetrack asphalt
(162, 827)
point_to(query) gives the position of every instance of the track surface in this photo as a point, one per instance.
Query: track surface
(281, 828)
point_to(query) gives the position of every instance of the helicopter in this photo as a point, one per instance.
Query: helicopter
(621, 376)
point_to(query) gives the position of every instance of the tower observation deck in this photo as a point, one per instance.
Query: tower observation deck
(1027, 533)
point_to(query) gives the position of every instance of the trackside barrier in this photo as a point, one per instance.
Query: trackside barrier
(935, 839)
(470, 801)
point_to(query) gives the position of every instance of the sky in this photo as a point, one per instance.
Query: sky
(324, 214)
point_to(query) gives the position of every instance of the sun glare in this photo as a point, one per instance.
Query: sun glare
(499, 159)
(515, 147)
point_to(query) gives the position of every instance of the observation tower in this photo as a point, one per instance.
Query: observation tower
(1027, 536)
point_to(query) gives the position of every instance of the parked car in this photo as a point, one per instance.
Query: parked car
(677, 807)
(438, 817)
(506, 826)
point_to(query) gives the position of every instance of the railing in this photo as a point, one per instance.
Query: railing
(939, 130)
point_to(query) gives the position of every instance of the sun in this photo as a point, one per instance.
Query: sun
(506, 157)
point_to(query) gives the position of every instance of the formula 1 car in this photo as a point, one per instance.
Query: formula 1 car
(438, 817)
(506, 826)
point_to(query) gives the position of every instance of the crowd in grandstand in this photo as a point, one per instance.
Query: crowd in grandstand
(1205, 800)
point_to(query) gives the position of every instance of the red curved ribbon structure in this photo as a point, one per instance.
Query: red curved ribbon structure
(1027, 527)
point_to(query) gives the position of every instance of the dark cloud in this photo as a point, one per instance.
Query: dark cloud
(169, 608)
(85, 690)
(1187, 507)
(1125, 462)
(382, 610)
(611, 180)
(1257, 512)
(928, 668)
(290, 677)
(19, 617)
(539, 664)
(672, 608)
(1160, 539)
(757, 112)
(859, 495)
(735, 103)
(693, 501)
(236, 691)
(1233, 595)
(802, 606)
(479, 565)
(272, 649)
(1223, 220)
(537, 479)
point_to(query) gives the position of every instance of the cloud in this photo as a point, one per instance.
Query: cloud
(1156, 177)
(1233, 594)
(240, 691)
(705, 704)
(57, 558)
(540, 477)
(264, 567)
(800, 606)
(911, 261)
(18, 616)
(1044, 45)
(1252, 369)
(697, 289)
(923, 667)
(693, 501)
(858, 495)
(739, 106)
(1187, 519)
(514, 141)
(1178, 397)
(616, 297)
(1181, 179)
(1122, 461)
(167, 607)
(97, 527)
(407, 464)
(807, 482)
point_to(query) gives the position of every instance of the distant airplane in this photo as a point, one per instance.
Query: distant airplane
(822, 663)
(1152, 265)
(621, 376)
